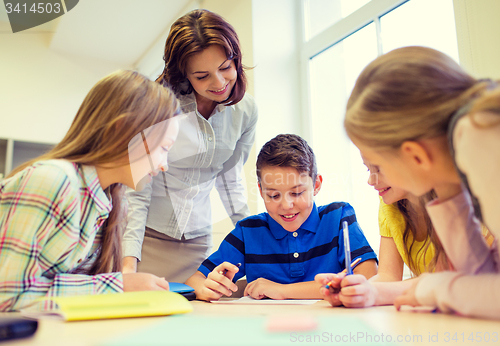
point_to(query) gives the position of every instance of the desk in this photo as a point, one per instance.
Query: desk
(417, 328)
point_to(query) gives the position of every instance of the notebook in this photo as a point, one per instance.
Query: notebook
(116, 305)
(180, 288)
(185, 290)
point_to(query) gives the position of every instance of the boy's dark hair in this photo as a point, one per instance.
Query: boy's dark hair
(288, 150)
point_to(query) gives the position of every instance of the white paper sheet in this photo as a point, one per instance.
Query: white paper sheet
(250, 300)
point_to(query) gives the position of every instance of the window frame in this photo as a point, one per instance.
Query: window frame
(308, 49)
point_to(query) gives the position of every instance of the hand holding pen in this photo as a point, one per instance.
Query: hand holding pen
(330, 286)
(224, 272)
(219, 280)
(347, 256)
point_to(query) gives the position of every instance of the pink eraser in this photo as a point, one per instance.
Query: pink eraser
(287, 323)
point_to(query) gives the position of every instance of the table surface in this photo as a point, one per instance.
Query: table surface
(412, 328)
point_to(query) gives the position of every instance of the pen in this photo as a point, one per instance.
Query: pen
(353, 264)
(347, 255)
(347, 248)
(225, 270)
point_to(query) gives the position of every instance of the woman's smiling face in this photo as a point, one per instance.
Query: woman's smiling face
(211, 74)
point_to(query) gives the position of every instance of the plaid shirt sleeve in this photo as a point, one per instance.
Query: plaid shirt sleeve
(41, 239)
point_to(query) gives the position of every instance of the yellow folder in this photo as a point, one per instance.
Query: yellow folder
(121, 305)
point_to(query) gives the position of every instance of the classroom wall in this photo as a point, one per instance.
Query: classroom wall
(151, 62)
(41, 90)
(276, 35)
(477, 35)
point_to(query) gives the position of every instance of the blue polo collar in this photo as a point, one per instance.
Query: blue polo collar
(311, 224)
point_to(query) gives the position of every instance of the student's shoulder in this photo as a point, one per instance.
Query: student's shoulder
(48, 172)
(334, 208)
(57, 169)
(390, 216)
(51, 179)
(389, 210)
(254, 221)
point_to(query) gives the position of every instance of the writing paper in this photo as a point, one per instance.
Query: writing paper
(250, 300)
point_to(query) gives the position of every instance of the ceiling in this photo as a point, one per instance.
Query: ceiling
(115, 31)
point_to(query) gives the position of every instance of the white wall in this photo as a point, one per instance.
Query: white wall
(276, 33)
(151, 63)
(477, 35)
(40, 90)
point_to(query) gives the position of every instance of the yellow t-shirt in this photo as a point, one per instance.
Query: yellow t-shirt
(392, 225)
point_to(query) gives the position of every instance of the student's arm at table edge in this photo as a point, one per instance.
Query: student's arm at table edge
(366, 268)
(388, 281)
(311, 289)
(216, 284)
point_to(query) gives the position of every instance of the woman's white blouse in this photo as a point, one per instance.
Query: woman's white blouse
(206, 153)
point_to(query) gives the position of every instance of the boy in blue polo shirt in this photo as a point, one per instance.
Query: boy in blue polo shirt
(282, 250)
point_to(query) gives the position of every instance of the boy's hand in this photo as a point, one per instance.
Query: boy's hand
(219, 282)
(331, 295)
(262, 288)
(357, 292)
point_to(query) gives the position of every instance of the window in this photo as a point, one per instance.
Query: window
(320, 14)
(337, 48)
(413, 24)
(333, 73)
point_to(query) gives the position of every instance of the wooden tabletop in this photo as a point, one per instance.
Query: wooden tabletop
(387, 326)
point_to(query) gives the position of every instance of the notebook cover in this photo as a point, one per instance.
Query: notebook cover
(121, 305)
(180, 288)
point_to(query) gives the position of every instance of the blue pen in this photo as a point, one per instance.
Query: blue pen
(347, 248)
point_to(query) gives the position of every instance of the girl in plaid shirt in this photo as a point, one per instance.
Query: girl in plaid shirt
(61, 218)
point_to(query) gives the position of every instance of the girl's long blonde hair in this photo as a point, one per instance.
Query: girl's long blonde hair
(407, 94)
(488, 102)
(116, 109)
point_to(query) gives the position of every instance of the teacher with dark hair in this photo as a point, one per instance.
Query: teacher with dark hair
(169, 229)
